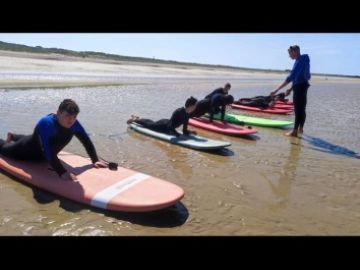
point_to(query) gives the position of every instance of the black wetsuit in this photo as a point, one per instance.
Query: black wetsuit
(215, 92)
(260, 101)
(254, 102)
(300, 99)
(168, 126)
(211, 105)
(48, 139)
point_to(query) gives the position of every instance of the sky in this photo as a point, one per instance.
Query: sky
(337, 53)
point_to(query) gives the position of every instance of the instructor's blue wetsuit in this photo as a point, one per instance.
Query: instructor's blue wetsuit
(300, 76)
(48, 139)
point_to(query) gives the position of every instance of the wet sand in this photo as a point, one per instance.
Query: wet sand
(266, 184)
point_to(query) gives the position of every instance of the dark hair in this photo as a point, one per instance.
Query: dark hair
(69, 106)
(227, 99)
(294, 48)
(190, 101)
(280, 96)
(228, 85)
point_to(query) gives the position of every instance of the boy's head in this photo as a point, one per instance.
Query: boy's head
(227, 87)
(227, 99)
(280, 96)
(190, 104)
(67, 113)
(294, 51)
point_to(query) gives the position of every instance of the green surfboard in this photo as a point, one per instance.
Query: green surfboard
(253, 121)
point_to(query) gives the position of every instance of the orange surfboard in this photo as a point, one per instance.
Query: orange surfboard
(121, 190)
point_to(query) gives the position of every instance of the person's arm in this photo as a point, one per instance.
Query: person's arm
(212, 111)
(45, 129)
(185, 128)
(174, 119)
(296, 69)
(281, 86)
(288, 91)
(223, 109)
(81, 134)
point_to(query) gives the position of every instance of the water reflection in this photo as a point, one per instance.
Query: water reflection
(166, 218)
(282, 189)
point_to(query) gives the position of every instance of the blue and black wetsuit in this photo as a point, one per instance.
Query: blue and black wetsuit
(211, 105)
(48, 139)
(168, 126)
(300, 76)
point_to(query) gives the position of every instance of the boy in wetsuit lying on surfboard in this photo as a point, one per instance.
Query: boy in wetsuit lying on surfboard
(263, 102)
(51, 134)
(179, 117)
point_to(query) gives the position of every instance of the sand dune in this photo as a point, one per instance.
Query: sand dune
(29, 70)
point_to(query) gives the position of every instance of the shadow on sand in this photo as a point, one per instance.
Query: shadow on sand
(327, 147)
(226, 152)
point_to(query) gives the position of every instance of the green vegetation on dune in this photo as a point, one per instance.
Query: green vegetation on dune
(99, 55)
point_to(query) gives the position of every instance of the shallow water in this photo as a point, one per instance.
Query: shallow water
(267, 184)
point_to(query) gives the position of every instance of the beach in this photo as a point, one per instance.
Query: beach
(268, 184)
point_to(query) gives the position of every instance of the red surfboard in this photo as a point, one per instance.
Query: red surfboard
(283, 106)
(255, 109)
(285, 102)
(221, 127)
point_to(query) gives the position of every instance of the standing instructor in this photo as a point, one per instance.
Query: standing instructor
(299, 76)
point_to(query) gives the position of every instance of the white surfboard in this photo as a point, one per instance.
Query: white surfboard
(191, 141)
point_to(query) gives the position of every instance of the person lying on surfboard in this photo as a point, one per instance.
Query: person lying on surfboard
(262, 101)
(179, 117)
(222, 90)
(217, 103)
(51, 134)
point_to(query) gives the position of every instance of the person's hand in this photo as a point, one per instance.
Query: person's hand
(273, 93)
(288, 92)
(68, 176)
(100, 164)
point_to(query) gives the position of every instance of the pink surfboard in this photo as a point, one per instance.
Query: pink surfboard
(255, 109)
(220, 127)
(285, 102)
(121, 190)
(283, 106)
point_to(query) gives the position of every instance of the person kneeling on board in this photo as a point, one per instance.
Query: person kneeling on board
(168, 126)
(51, 134)
(216, 104)
(222, 90)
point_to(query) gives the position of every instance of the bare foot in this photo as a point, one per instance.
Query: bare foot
(301, 131)
(291, 133)
(132, 119)
(9, 137)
